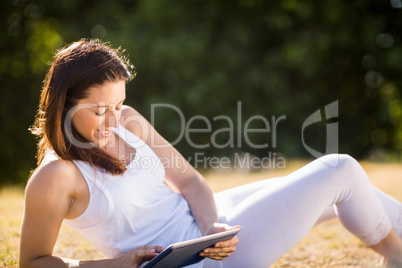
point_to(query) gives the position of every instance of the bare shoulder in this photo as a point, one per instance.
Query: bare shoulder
(133, 121)
(52, 179)
(48, 198)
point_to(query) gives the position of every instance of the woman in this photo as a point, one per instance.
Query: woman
(92, 174)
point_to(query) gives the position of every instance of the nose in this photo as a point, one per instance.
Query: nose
(112, 120)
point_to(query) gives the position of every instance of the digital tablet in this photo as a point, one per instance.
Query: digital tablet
(187, 252)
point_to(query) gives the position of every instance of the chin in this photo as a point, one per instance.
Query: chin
(102, 142)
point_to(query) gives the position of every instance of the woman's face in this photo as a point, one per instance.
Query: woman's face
(99, 113)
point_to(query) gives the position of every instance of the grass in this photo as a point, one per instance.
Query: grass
(327, 245)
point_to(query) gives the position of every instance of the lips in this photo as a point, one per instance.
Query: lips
(104, 133)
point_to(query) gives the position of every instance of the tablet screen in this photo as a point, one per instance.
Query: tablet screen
(187, 252)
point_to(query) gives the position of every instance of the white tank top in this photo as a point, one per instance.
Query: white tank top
(133, 209)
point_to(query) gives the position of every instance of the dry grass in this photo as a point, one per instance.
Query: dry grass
(327, 245)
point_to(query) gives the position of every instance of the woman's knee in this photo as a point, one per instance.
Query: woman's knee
(338, 160)
(347, 163)
(350, 169)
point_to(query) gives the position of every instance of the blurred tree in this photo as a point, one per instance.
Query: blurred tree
(27, 41)
(288, 57)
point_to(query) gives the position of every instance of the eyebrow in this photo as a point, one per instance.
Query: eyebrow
(106, 106)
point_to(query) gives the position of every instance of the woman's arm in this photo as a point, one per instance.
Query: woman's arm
(48, 198)
(182, 176)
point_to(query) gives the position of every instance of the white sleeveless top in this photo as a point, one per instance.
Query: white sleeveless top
(133, 209)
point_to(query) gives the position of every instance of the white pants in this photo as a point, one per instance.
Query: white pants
(275, 214)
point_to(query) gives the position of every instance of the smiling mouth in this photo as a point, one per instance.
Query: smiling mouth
(105, 133)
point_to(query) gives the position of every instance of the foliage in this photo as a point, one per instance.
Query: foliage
(288, 57)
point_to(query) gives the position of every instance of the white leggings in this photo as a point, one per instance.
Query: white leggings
(275, 214)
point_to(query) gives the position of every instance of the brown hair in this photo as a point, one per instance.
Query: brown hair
(76, 68)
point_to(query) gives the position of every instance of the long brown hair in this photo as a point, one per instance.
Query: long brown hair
(76, 68)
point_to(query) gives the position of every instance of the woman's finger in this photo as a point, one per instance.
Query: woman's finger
(218, 253)
(223, 249)
(140, 253)
(217, 256)
(227, 243)
(219, 250)
(146, 252)
(157, 248)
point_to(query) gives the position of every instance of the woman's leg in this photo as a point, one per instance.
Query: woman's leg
(274, 218)
(229, 199)
(392, 207)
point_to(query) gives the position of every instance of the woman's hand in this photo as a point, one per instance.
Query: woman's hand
(221, 250)
(138, 257)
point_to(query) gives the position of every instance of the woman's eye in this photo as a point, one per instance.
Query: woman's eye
(99, 113)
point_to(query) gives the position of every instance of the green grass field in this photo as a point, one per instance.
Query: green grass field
(327, 245)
